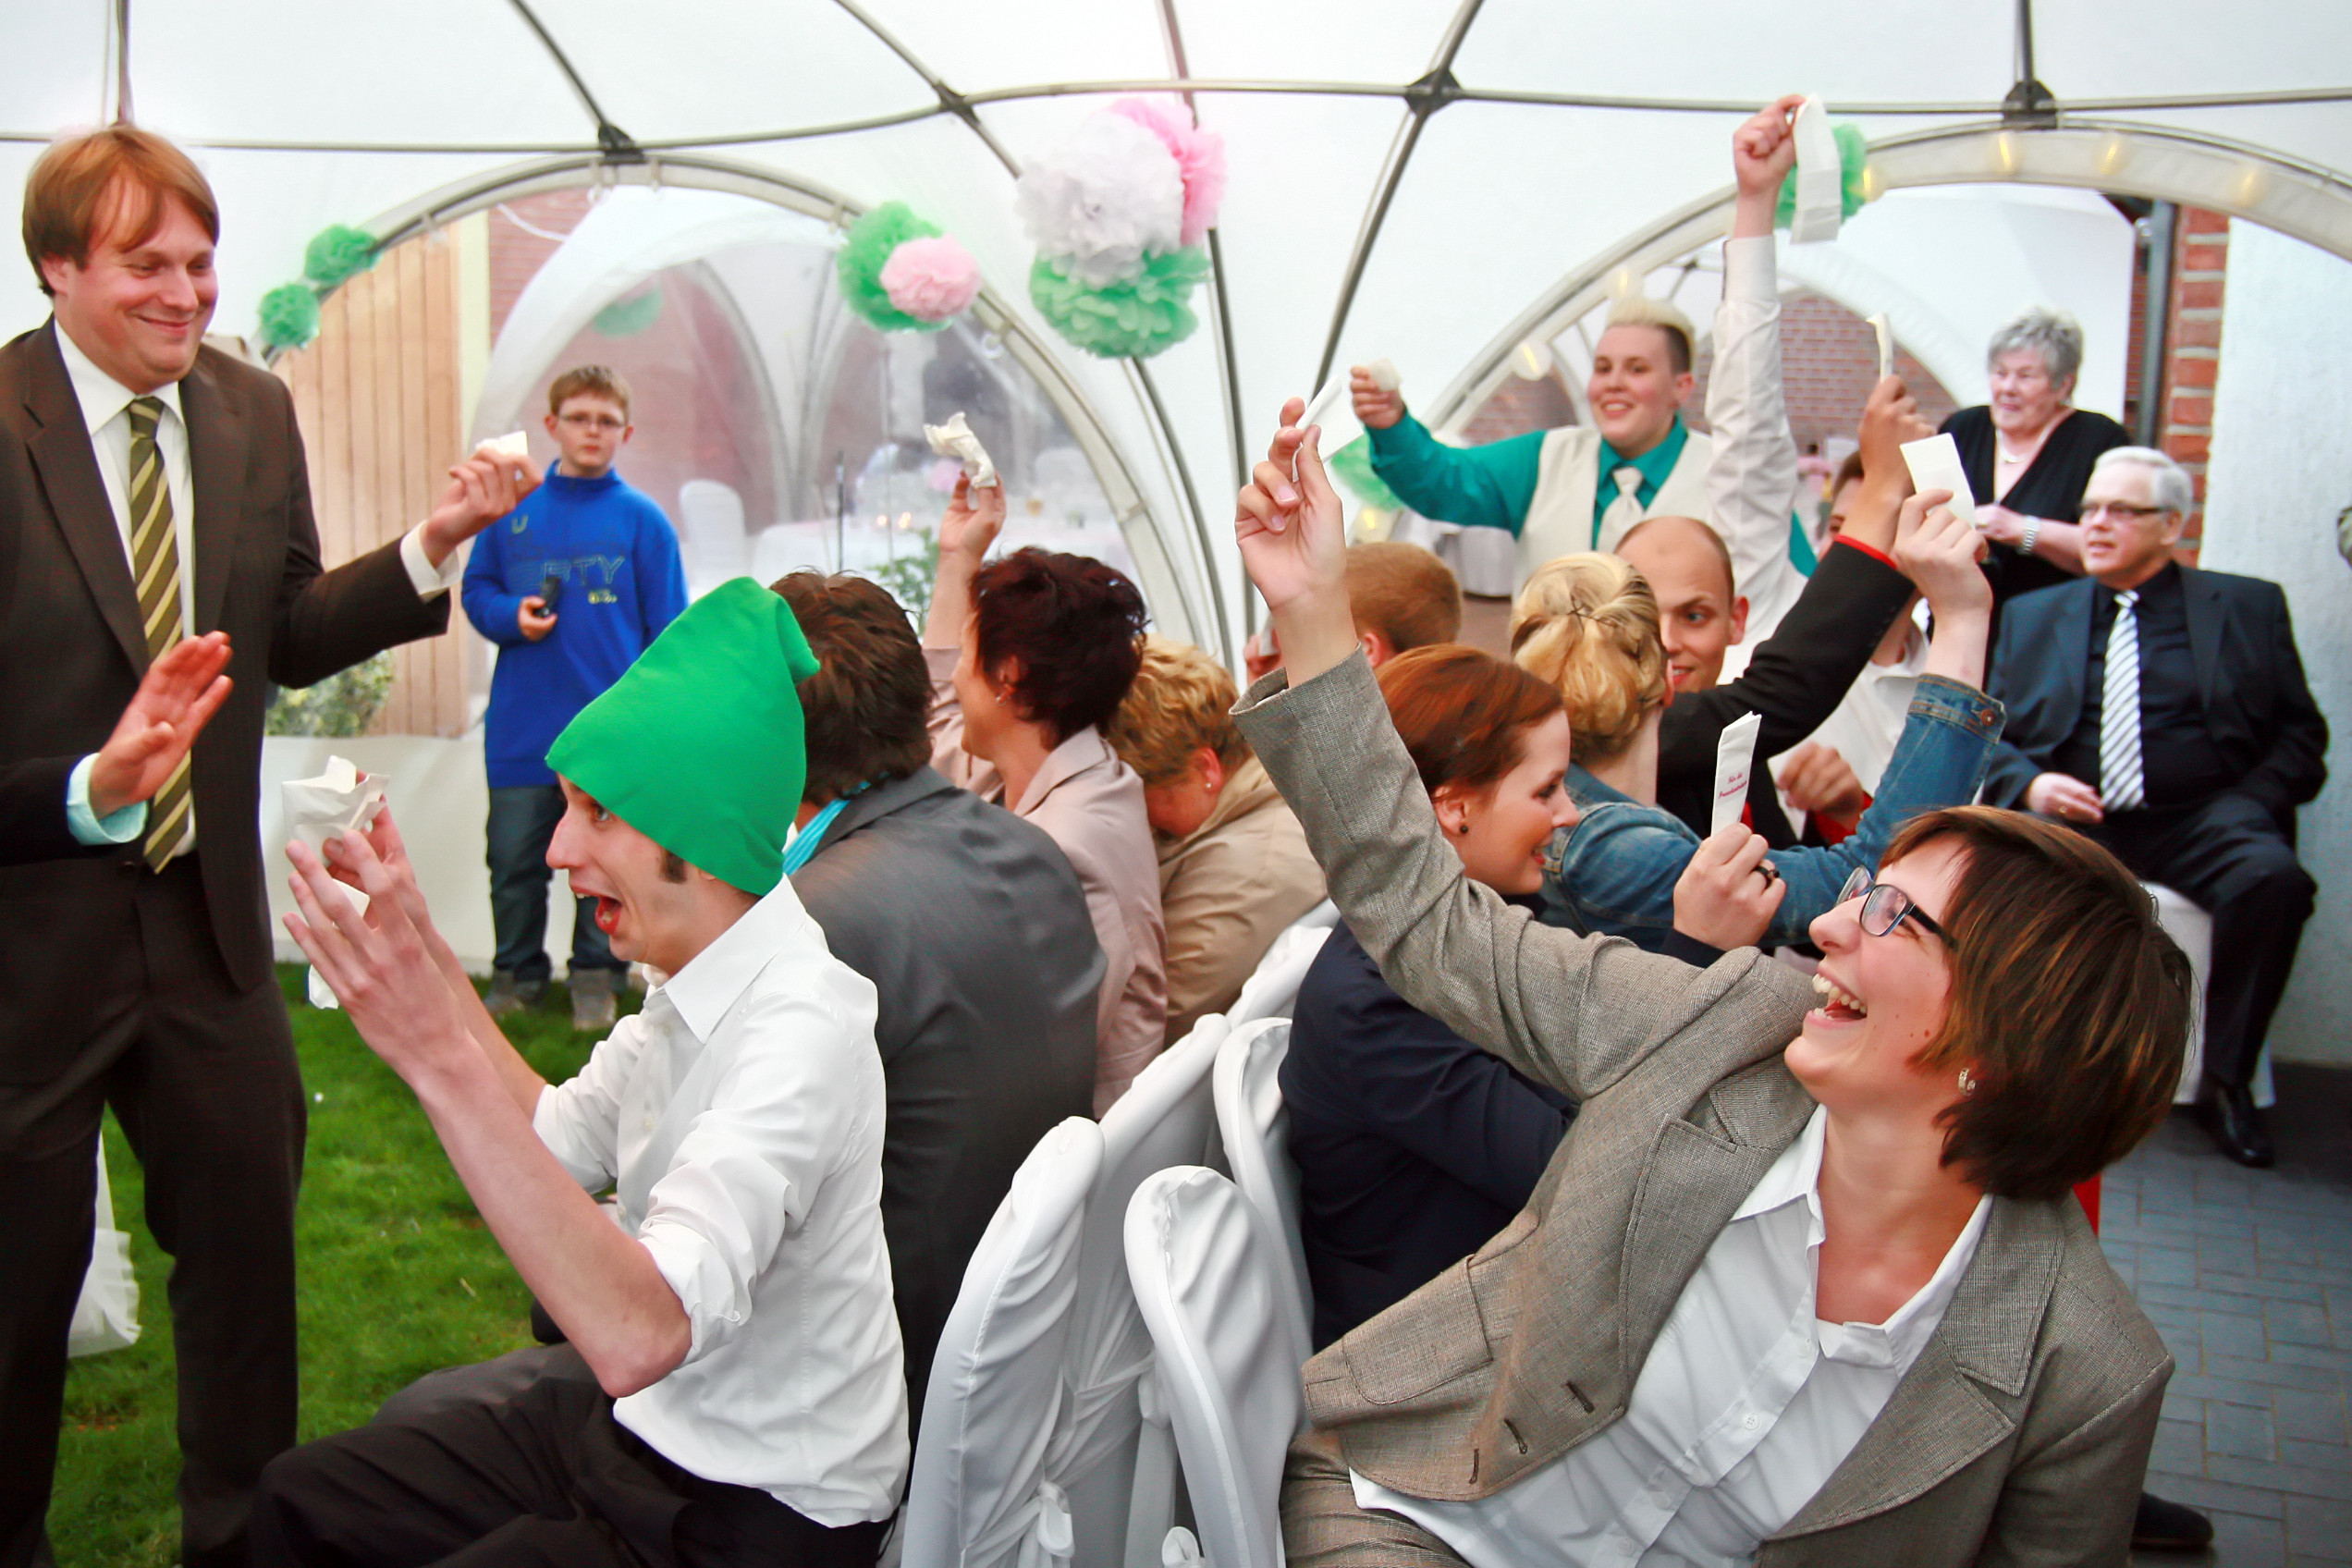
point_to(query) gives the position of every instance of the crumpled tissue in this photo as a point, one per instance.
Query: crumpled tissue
(338, 801)
(954, 439)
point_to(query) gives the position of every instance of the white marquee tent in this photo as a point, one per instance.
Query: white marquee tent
(1430, 181)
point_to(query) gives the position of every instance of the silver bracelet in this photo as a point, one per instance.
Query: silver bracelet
(2033, 532)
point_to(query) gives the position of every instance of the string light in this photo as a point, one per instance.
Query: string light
(1531, 360)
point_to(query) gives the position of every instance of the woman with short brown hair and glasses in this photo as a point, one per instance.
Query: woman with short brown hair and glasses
(1804, 1284)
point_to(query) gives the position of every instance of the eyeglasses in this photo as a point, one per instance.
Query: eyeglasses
(590, 421)
(1885, 906)
(2117, 508)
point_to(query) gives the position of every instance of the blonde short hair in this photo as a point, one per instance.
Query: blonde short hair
(1182, 700)
(1587, 625)
(1640, 309)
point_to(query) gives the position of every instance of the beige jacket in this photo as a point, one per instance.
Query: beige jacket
(1228, 889)
(1091, 805)
(2020, 1436)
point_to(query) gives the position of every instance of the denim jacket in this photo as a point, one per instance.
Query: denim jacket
(1613, 873)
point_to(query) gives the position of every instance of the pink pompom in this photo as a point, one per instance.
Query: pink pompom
(1199, 155)
(931, 279)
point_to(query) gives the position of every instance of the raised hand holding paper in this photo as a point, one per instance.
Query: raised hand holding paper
(336, 801)
(1820, 179)
(955, 439)
(1734, 758)
(1935, 465)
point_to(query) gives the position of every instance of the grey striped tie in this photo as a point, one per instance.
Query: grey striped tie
(2120, 784)
(155, 568)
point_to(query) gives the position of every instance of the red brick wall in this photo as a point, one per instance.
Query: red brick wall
(2200, 266)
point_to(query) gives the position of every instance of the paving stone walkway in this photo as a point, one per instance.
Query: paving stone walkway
(2249, 1276)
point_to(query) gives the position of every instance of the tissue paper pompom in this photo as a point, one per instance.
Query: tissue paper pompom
(1199, 155)
(336, 252)
(931, 279)
(289, 315)
(866, 251)
(1135, 318)
(1102, 199)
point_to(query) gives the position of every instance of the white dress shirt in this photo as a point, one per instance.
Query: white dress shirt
(1869, 720)
(741, 1115)
(105, 412)
(1752, 482)
(1745, 1407)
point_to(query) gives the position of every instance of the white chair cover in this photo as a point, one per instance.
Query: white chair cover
(1269, 992)
(2193, 929)
(1111, 1451)
(1256, 1130)
(978, 1496)
(1209, 1287)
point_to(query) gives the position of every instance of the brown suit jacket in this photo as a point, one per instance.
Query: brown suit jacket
(2020, 1436)
(71, 654)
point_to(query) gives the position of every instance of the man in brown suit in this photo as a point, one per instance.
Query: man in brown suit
(151, 488)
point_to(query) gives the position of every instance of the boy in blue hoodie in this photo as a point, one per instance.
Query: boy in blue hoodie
(571, 585)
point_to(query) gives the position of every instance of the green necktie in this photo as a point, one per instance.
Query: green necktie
(155, 567)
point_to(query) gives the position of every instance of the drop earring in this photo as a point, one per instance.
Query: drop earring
(1967, 1082)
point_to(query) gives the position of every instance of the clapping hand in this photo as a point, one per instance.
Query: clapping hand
(178, 696)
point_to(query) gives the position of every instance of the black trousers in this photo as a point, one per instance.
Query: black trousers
(201, 1074)
(519, 1461)
(2228, 856)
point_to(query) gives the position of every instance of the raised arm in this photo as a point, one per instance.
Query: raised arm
(1574, 1011)
(1486, 487)
(1752, 482)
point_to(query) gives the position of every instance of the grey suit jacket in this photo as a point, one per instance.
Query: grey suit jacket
(2021, 1433)
(975, 933)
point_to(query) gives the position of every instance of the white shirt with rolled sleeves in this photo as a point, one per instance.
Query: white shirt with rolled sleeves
(1752, 481)
(740, 1117)
(1746, 1404)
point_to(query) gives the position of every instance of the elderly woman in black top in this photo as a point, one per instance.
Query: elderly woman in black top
(2028, 452)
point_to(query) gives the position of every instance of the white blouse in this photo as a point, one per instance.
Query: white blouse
(1745, 1407)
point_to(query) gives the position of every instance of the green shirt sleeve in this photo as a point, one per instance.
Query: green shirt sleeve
(1487, 486)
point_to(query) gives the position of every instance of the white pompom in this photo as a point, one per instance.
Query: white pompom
(1103, 198)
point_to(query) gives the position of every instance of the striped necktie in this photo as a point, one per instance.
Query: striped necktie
(155, 567)
(2121, 786)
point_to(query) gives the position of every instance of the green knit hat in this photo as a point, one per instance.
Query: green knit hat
(700, 746)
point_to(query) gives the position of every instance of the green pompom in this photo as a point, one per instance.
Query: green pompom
(1853, 158)
(336, 252)
(627, 318)
(1352, 466)
(289, 315)
(867, 247)
(1132, 319)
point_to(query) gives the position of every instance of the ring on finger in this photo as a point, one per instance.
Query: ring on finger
(1769, 872)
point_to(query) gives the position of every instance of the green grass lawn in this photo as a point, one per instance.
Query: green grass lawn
(398, 1277)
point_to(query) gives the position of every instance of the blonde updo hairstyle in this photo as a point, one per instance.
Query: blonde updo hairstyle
(1587, 625)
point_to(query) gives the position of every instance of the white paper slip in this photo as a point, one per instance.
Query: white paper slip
(1886, 345)
(1319, 407)
(1735, 759)
(1385, 376)
(318, 809)
(513, 444)
(1935, 465)
(954, 439)
(1820, 179)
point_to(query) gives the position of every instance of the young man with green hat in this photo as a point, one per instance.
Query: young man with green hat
(731, 1391)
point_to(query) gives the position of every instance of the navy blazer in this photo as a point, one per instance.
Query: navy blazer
(2249, 680)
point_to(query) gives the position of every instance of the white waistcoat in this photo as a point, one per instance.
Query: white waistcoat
(1559, 516)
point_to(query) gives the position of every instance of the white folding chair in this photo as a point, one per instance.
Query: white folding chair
(979, 1495)
(2193, 929)
(1272, 988)
(1209, 1287)
(1111, 1453)
(1256, 1131)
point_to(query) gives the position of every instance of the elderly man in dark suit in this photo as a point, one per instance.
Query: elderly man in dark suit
(151, 487)
(2163, 711)
(971, 925)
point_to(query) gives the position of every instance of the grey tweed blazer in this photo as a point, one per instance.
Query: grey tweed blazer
(2021, 1433)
